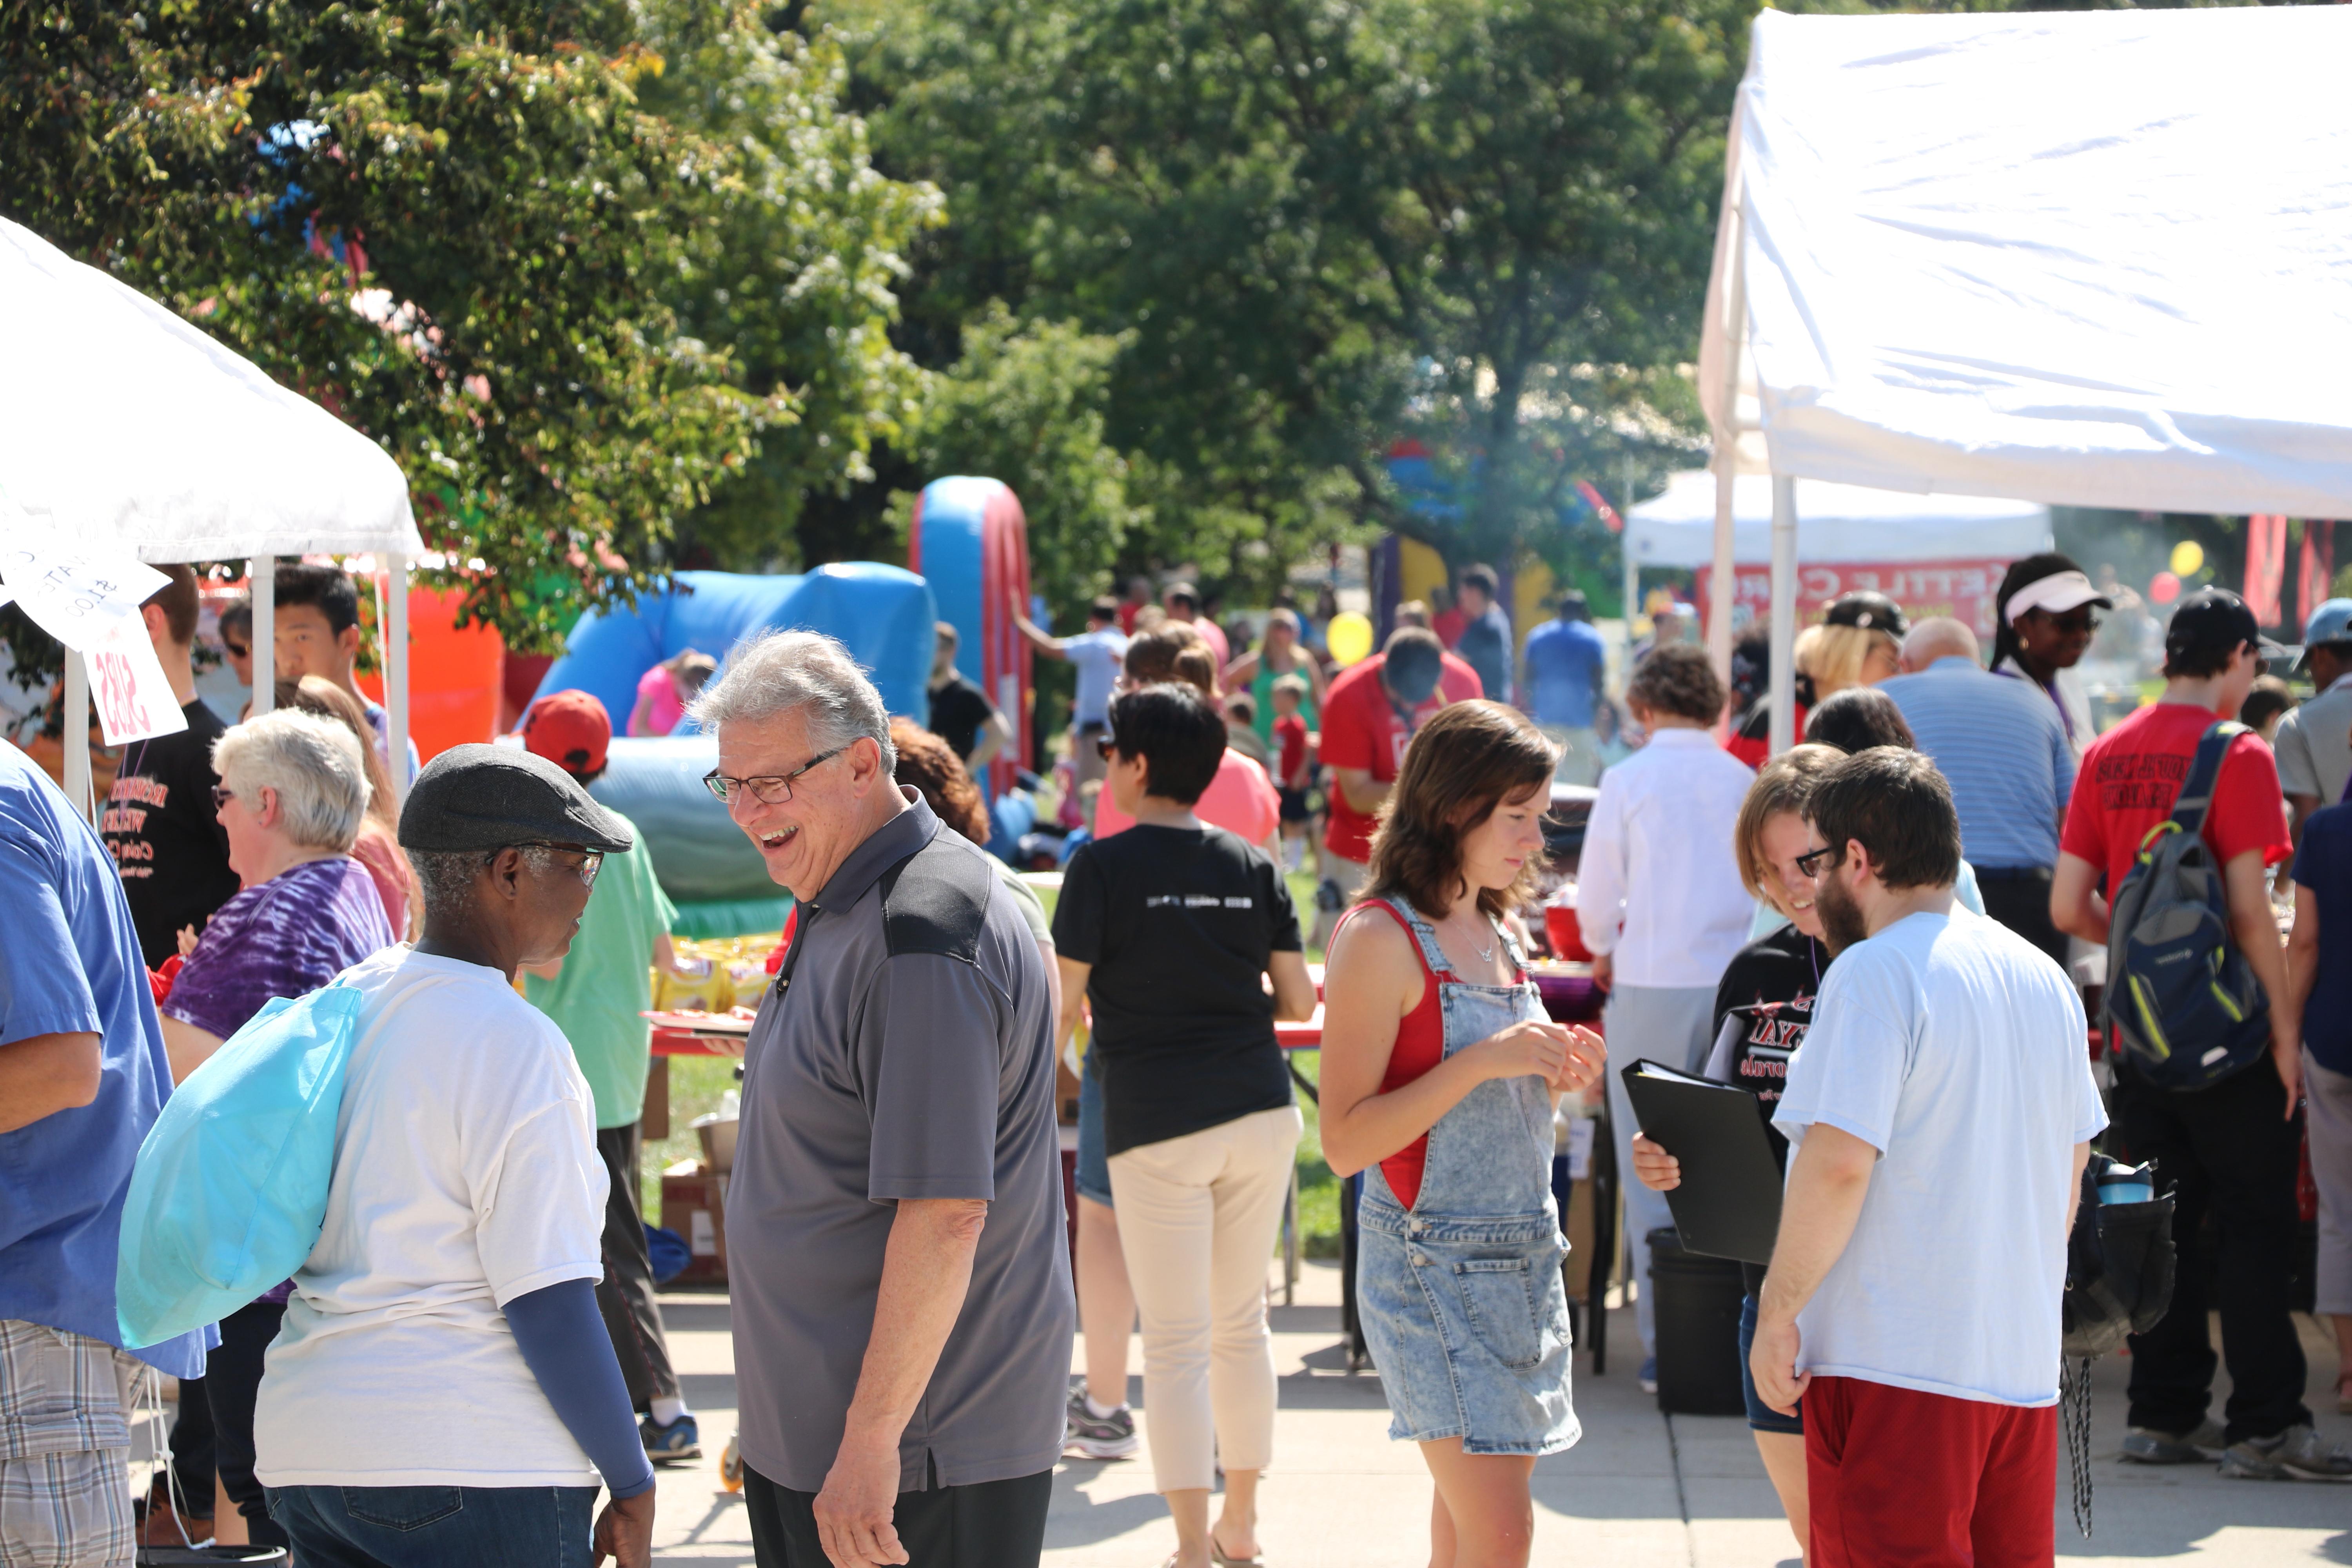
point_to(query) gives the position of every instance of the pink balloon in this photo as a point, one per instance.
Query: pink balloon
(2164, 587)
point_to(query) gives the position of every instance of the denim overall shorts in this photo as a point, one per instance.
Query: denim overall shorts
(1460, 1296)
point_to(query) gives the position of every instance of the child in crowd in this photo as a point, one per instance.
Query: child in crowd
(1294, 766)
(1241, 729)
(664, 691)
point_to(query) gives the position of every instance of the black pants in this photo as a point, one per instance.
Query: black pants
(192, 1448)
(231, 1380)
(2230, 1149)
(626, 1294)
(2020, 899)
(995, 1524)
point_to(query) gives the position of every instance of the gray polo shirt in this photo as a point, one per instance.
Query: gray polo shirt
(909, 1057)
(2314, 756)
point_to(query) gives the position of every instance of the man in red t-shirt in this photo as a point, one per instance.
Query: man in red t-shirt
(1369, 714)
(2234, 1145)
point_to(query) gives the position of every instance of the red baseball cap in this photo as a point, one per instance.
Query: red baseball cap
(569, 729)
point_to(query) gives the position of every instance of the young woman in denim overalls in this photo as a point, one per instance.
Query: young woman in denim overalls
(1440, 1072)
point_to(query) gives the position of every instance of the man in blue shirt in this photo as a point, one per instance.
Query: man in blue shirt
(1096, 655)
(2003, 749)
(82, 1075)
(1486, 641)
(1567, 662)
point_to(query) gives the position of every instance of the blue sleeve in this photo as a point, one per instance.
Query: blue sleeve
(563, 1340)
(43, 990)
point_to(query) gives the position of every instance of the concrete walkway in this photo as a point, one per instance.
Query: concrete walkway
(1641, 1489)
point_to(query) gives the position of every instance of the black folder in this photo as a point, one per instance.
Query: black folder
(1729, 1203)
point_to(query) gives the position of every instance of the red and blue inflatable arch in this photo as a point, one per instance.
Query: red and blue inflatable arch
(970, 542)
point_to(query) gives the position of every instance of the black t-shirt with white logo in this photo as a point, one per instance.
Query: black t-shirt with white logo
(958, 709)
(1179, 924)
(167, 841)
(1770, 986)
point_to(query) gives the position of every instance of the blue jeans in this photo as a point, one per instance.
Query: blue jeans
(427, 1526)
(1761, 1418)
(1093, 1152)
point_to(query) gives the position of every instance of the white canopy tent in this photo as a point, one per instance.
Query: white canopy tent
(1835, 523)
(120, 422)
(2098, 259)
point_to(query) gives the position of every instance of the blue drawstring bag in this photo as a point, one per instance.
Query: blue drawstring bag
(667, 1252)
(230, 1188)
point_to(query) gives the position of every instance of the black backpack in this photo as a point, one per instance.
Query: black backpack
(2119, 1268)
(2183, 1006)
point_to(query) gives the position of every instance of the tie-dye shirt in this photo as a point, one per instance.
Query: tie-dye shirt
(287, 937)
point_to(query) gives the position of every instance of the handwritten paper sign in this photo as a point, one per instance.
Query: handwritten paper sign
(87, 597)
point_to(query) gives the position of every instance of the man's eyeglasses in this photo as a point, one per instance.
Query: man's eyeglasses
(769, 789)
(591, 860)
(1810, 863)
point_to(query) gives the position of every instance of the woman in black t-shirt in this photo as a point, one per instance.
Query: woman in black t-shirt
(1183, 940)
(1763, 1007)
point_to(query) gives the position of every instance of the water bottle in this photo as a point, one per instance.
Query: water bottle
(2126, 1185)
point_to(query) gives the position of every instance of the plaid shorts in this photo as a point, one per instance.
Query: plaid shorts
(64, 1449)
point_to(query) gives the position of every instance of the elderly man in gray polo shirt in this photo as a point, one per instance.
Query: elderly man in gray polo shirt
(902, 1282)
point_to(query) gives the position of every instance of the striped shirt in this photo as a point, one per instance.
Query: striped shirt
(2003, 747)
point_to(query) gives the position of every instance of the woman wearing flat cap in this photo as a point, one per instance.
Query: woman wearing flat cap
(444, 1390)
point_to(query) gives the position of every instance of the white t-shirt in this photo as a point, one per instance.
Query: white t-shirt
(1096, 656)
(1956, 1048)
(466, 1176)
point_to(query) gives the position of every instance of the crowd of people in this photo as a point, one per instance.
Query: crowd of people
(1884, 933)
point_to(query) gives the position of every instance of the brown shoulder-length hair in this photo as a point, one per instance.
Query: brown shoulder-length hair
(1465, 762)
(928, 767)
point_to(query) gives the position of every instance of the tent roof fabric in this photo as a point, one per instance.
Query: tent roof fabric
(119, 420)
(2099, 258)
(1846, 524)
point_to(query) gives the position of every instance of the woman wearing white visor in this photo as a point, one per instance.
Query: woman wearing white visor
(2046, 623)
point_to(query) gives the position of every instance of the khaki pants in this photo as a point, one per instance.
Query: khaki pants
(1197, 1216)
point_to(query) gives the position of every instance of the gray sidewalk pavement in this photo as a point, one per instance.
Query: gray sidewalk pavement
(1641, 1489)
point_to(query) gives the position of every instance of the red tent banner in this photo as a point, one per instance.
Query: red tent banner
(2265, 565)
(2318, 569)
(1964, 589)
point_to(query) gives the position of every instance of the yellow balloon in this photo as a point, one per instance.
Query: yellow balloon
(2186, 557)
(1348, 636)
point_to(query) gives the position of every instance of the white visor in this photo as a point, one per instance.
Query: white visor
(2057, 593)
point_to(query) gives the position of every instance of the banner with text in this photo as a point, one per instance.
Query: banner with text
(1964, 589)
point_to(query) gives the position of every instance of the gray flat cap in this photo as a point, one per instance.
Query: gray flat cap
(487, 797)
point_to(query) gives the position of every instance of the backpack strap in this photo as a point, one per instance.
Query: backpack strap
(2196, 791)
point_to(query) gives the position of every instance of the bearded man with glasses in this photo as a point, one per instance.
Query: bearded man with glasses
(896, 1244)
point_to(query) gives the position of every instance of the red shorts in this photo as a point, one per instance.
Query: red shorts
(1926, 1480)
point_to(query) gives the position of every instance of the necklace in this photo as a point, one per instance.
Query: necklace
(1487, 954)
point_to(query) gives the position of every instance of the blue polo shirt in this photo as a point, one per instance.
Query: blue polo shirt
(2003, 747)
(69, 963)
(2323, 863)
(1562, 657)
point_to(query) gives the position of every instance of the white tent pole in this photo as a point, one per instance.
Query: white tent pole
(1784, 613)
(1719, 594)
(395, 674)
(261, 575)
(76, 718)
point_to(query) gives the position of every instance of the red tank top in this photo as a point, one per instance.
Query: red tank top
(1420, 1046)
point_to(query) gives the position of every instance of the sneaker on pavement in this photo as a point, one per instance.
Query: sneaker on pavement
(2146, 1446)
(1110, 1436)
(675, 1443)
(2297, 1454)
(1648, 1376)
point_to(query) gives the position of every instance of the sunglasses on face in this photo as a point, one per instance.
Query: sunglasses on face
(770, 789)
(222, 796)
(235, 650)
(2073, 622)
(1809, 864)
(1106, 747)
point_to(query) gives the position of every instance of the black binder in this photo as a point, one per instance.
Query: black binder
(1729, 1205)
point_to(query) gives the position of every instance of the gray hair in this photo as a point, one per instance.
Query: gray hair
(784, 672)
(315, 766)
(446, 877)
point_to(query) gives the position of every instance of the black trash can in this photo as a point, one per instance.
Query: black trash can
(1696, 1299)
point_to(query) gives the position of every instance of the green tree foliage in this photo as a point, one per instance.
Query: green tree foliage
(488, 235)
(1483, 223)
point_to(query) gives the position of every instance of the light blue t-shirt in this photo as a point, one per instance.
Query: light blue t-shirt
(1563, 657)
(1096, 656)
(69, 963)
(1957, 1050)
(2003, 748)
